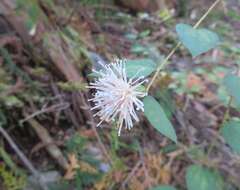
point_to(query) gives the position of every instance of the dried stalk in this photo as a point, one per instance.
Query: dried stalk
(24, 159)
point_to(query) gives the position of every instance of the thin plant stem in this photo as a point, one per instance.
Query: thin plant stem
(206, 14)
(227, 112)
(161, 66)
(165, 61)
(225, 118)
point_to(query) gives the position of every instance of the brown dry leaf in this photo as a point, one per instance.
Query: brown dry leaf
(136, 184)
(88, 133)
(117, 176)
(157, 173)
(105, 182)
(194, 80)
(221, 74)
(86, 167)
(157, 168)
(73, 165)
(109, 179)
(165, 175)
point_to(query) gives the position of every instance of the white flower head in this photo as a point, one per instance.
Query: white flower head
(117, 96)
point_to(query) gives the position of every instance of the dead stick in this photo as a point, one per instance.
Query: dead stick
(52, 149)
(24, 159)
(53, 108)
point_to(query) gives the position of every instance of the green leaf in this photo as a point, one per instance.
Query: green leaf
(140, 67)
(200, 178)
(232, 84)
(197, 41)
(138, 49)
(231, 134)
(156, 116)
(163, 187)
(145, 33)
(131, 36)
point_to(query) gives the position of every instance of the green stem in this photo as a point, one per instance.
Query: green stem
(227, 112)
(206, 14)
(161, 66)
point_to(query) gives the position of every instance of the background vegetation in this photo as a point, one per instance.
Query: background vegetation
(49, 138)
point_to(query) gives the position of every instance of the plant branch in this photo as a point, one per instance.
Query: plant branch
(206, 14)
(165, 61)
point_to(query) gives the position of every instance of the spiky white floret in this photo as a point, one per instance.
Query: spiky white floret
(117, 97)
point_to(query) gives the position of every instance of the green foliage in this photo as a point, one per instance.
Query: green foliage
(179, 84)
(163, 187)
(83, 179)
(8, 73)
(10, 180)
(86, 174)
(3, 118)
(234, 14)
(196, 153)
(139, 49)
(62, 185)
(140, 67)
(31, 8)
(231, 134)
(49, 3)
(91, 2)
(115, 141)
(165, 96)
(116, 144)
(144, 33)
(11, 101)
(156, 116)
(232, 84)
(200, 178)
(13, 68)
(197, 41)
(76, 144)
(9, 162)
(72, 86)
(76, 46)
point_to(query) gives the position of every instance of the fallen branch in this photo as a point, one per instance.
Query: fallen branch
(24, 159)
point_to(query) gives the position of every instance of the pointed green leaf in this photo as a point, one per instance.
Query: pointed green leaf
(197, 41)
(200, 178)
(140, 67)
(232, 84)
(231, 134)
(156, 116)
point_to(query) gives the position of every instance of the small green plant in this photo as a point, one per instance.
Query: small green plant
(10, 180)
(197, 41)
(86, 173)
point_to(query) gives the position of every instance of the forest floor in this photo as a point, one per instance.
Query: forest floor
(47, 51)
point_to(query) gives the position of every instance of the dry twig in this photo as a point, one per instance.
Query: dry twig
(24, 159)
